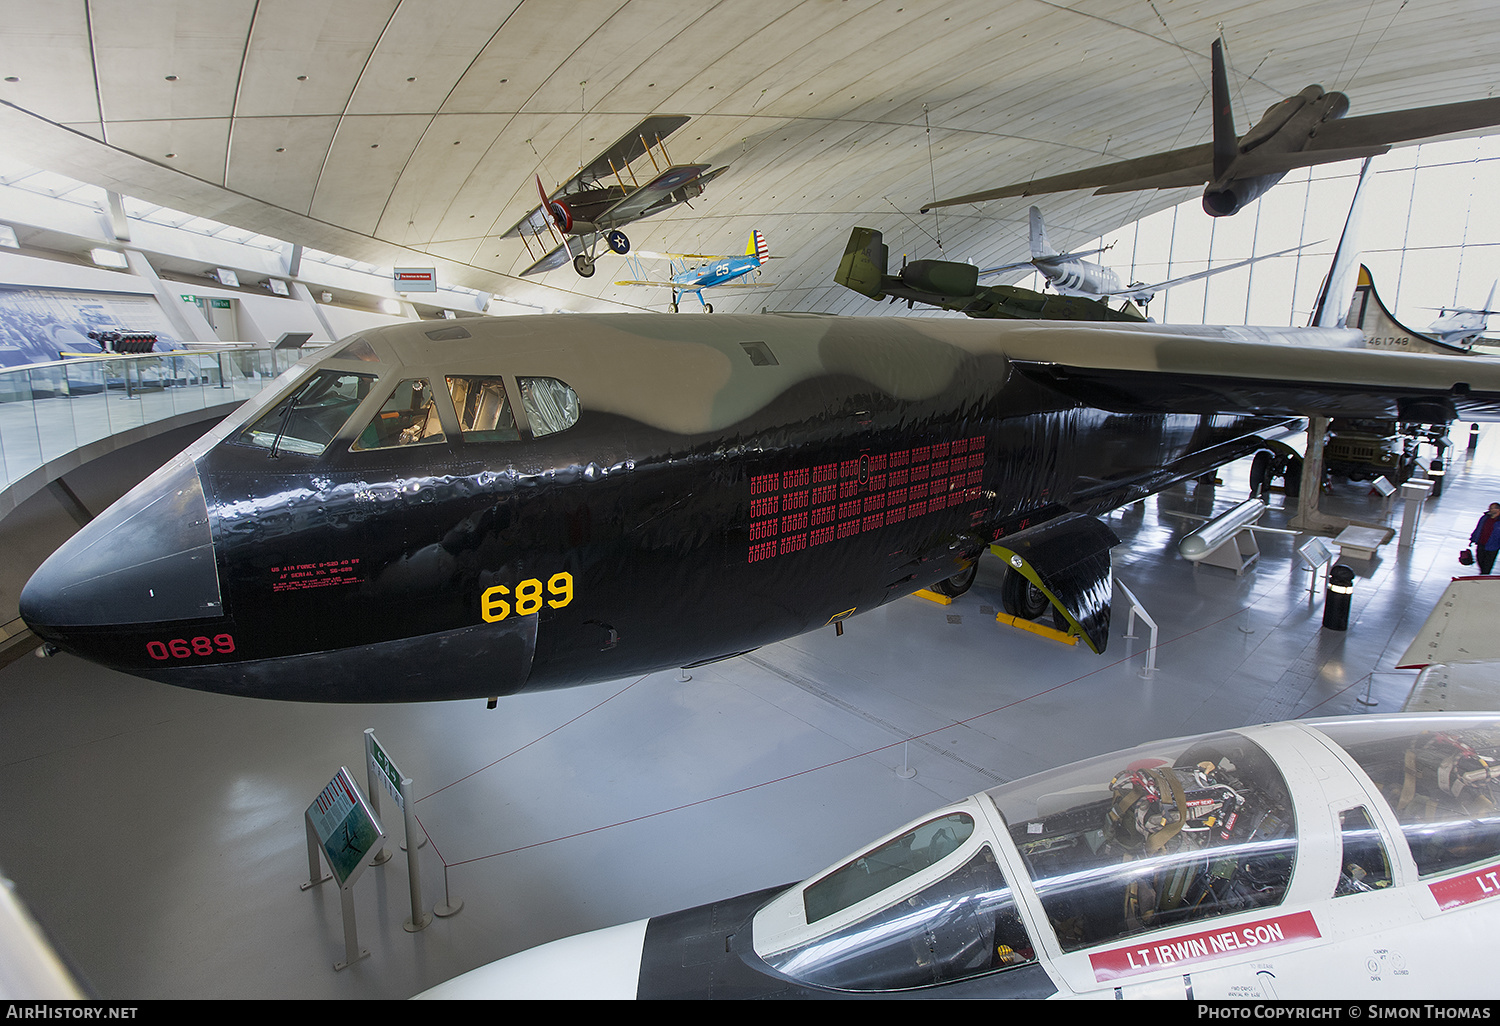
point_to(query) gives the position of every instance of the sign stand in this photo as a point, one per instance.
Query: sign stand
(1136, 609)
(1318, 557)
(380, 768)
(1413, 494)
(341, 823)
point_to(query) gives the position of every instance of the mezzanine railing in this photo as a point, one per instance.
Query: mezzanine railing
(48, 410)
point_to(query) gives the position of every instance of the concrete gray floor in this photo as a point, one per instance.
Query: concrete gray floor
(157, 833)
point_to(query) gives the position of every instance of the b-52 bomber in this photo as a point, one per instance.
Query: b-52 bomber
(1299, 131)
(477, 508)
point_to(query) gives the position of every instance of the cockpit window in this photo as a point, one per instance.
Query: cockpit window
(359, 349)
(1442, 785)
(962, 925)
(307, 419)
(409, 417)
(1154, 837)
(551, 406)
(1364, 866)
(483, 412)
(888, 864)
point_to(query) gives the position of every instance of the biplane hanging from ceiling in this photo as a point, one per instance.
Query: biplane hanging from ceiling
(694, 272)
(607, 195)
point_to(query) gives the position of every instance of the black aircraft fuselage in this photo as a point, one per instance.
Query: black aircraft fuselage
(476, 509)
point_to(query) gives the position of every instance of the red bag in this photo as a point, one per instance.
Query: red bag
(1466, 557)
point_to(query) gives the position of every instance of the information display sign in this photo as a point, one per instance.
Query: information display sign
(415, 279)
(384, 769)
(345, 825)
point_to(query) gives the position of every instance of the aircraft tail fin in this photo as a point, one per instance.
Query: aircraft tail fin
(758, 248)
(1369, 314)
(1041, 246)
(1226, 140)
(863, 265)
(1327, 312)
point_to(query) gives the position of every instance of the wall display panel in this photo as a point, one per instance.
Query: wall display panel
(38, 324)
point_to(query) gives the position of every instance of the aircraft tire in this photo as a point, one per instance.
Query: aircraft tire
(959, 583)
(708, 308)
(674, 307)
(583, 265)
(1260, 474)
(1019, 597)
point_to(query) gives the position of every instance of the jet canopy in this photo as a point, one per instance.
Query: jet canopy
(1202, 832)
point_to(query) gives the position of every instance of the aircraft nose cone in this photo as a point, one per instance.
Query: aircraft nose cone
(149, 558)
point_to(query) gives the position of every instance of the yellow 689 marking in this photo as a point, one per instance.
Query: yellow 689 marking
(495, 604)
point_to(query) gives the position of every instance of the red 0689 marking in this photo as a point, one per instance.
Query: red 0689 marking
(187, 648)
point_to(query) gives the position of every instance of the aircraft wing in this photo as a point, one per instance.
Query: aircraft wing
(1191, 166)
(1022, 265)
(1403, 125)
(1457, 650)
(559, 255)
(1258, 162)
(627, 148)
(691, 288)
(534, 223)
(1255, 371)
(1460, 628)
(658, 194)
(1169, 283)
(653, 255)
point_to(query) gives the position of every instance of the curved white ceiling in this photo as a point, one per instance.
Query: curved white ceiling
(410, 131)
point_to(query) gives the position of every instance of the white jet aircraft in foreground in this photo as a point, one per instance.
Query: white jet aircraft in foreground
(1340, 858)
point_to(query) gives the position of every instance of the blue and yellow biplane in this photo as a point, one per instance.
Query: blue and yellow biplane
(694, 272)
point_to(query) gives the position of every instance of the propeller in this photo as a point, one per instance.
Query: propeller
(555, 211)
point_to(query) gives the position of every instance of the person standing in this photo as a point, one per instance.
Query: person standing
(1486, 538)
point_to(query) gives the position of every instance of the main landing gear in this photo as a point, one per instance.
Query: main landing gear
(583, 263)
(959, 583)
(1025, 601)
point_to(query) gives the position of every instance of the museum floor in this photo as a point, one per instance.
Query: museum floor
(158, 833)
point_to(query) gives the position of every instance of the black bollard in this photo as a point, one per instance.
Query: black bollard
(1435, 472)
(1473, 437)
(1336, 599)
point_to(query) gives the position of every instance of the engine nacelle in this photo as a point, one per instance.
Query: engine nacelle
(942, 277)
(1233, 195)
(561, 215)
(1220, 202)
(555, 211)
